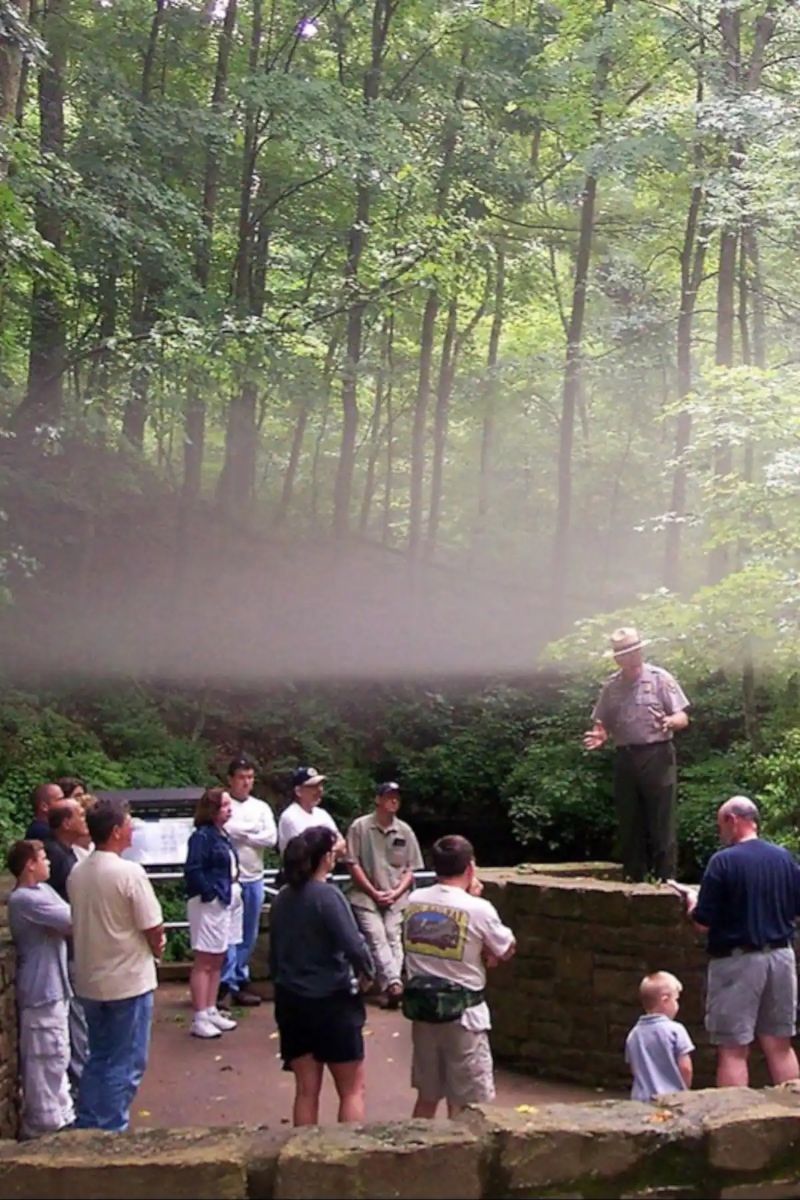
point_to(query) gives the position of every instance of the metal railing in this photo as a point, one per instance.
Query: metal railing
(270, 878)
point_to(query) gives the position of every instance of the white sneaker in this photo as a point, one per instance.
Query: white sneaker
(202, 1027)
(220, 1020)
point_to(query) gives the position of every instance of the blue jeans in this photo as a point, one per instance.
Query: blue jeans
(119, 1039)
(235, 971)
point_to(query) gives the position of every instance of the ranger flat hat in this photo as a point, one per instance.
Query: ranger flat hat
(625, 641)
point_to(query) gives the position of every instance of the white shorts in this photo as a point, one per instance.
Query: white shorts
(213, 926)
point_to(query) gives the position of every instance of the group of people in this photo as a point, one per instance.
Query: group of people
(747, 905)
(89, 931)
(326, 950)
(748, 900)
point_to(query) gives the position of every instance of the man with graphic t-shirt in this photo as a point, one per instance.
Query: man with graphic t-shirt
(450, 937)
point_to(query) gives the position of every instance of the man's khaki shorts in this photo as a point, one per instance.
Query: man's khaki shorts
(751, 995)
(451, 1063)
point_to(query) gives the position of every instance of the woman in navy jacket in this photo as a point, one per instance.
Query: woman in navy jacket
(214, 907)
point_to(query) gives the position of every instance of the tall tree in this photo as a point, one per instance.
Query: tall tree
(43, 403)
(573, 366)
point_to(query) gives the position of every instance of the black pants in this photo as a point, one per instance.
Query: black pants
(645, 790)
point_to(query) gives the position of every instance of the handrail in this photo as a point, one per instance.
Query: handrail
(270, 877)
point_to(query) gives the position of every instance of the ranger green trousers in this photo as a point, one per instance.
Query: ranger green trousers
(645, 791)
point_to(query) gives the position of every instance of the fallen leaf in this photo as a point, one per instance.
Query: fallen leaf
(144, 1112)
(395, 1034)
(526, 1108)
(367, 1033)
(272, 1037)
(217, 1058)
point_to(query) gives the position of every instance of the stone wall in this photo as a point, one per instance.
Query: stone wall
(563, 1006)
(721, 1145)
(9, 1091)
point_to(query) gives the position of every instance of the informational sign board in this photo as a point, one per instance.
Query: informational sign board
(160, 843)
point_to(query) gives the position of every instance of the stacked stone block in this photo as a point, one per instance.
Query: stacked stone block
(563, 1006)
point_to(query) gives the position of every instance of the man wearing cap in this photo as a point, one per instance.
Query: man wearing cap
(640, 708)
(384, 854)
(304, 812)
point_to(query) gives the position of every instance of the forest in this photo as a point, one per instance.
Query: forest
(364, 363)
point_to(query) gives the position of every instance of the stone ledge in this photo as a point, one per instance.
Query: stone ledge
(731, 1143)
(171, 1164)
(414, 1159)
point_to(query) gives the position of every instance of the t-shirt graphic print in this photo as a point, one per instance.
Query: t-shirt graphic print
(436, 930)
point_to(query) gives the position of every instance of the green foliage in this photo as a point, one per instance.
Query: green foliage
(559, 796)
(133, 730)
(776, 789)
(173, 903)
(39, 744)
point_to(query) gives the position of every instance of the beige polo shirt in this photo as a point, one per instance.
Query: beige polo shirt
(383, 854)
(112, 902)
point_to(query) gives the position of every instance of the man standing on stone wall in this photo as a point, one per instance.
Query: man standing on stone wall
(748, 901)
(118, 932)
(640, 708)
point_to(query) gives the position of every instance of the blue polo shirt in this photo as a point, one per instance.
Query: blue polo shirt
(749, 896)
(652, 1050)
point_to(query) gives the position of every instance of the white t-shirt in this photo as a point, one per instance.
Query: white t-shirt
(295, 819)
(445, 931)
(251, 828)
(112, 902)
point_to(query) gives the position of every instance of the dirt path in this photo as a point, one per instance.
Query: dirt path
(238, 1077)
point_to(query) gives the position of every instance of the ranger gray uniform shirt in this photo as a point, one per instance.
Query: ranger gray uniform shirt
(625, 707)
(40, 921)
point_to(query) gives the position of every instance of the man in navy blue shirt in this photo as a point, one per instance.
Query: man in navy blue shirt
(748, 901)
(42, 798)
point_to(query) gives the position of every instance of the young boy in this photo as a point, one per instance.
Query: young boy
(658, 1049)
(40, 923)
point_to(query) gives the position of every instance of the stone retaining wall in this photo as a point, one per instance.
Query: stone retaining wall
(563, 1006)
(9, 1090)
(721, 1145)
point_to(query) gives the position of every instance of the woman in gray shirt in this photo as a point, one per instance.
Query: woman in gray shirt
(40, 923)
(316, 955)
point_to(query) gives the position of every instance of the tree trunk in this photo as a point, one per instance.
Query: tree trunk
(237, 480)
(11, 81)
(375, 430)
(692, 263)
(386, 523)
(343, 490)
(427, 336)
(194, 441)
(147, 290)
(572, 367)
(488, 429)
(44, 400)
(426, 339)
(444, 391)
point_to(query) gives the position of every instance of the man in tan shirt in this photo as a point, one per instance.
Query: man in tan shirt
(384, 854)
(118, 934)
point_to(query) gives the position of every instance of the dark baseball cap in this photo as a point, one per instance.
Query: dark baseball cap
(385, 788)
(302, 776)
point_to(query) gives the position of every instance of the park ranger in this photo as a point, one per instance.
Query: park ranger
(640, 708)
